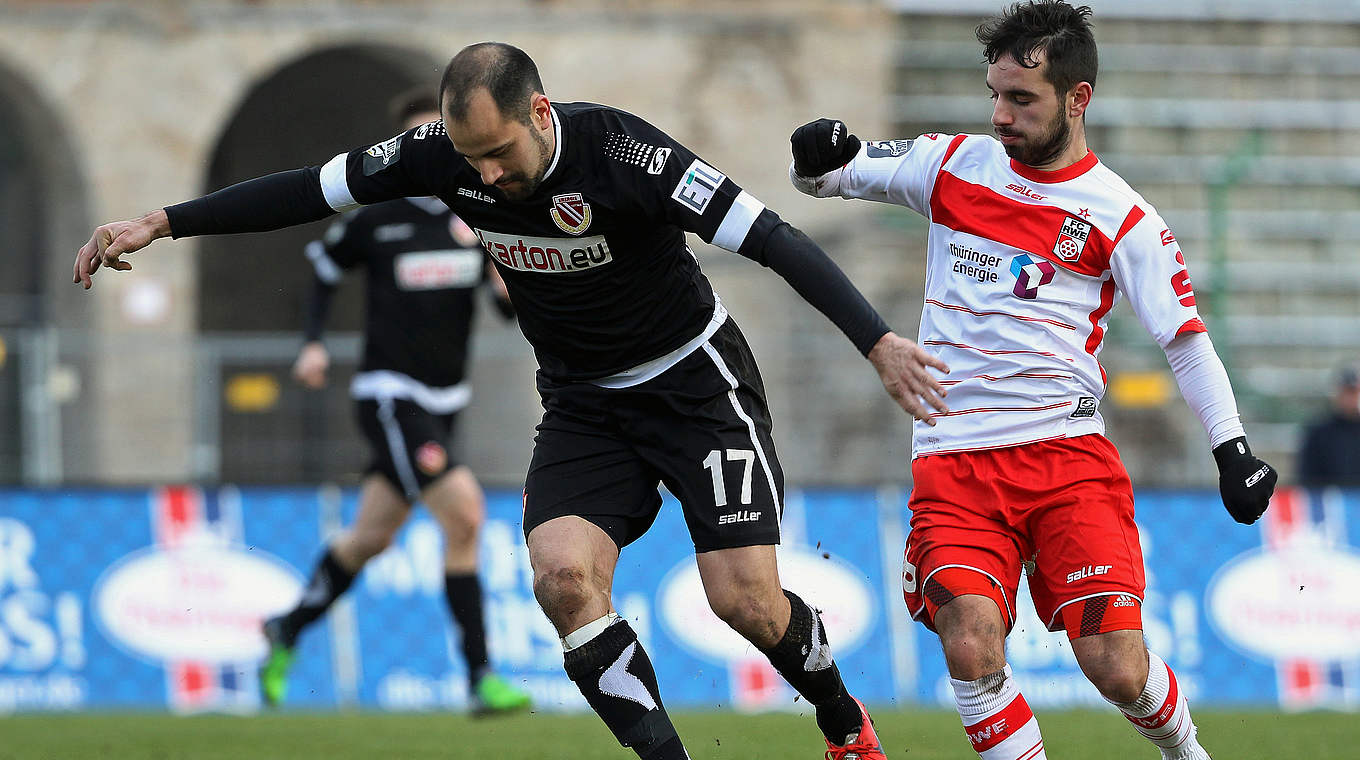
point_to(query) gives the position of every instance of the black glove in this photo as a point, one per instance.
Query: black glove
(822, 146)
(1244, 481)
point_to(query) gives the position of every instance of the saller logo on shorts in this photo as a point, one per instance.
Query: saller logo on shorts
(1087, 572)
(744, 515)
(548, 255)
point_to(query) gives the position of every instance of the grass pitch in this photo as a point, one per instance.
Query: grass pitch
(907, 735)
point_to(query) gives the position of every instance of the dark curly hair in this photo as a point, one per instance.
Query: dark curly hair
(1052, 27)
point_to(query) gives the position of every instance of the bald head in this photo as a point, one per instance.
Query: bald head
(505, 72)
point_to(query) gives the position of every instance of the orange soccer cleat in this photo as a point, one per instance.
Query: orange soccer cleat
(861, 746)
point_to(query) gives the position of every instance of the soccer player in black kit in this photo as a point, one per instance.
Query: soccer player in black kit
(424, 266)
(644, 378)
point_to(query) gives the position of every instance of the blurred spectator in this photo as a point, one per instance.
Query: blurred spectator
(1330, 455)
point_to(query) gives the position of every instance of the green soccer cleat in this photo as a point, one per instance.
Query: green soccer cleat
(274, 671)
(494, 695)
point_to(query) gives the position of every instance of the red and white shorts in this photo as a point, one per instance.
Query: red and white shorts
(1066, 505)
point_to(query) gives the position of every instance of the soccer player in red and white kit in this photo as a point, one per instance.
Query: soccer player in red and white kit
(1032, 241)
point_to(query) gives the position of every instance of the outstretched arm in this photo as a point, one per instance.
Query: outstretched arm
(110, 241)
(902, 364)
(266, 203)
(408, 164)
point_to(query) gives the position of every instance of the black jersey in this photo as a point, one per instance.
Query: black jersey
(595, 260)
(423, 266)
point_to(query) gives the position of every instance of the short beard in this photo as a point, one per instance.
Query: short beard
(531, 183)
(1047, 147)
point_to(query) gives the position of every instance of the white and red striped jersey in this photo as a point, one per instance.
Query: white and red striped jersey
(1022, 269)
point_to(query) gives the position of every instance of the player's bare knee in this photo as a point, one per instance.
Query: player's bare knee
(462, 525)
(747, 615)
(562, 591)
(970, 656)
(1117, 678)
(973, 645)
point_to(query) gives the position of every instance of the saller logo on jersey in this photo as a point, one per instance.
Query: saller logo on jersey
(548, 255)
(570, 213)
(1072, 239)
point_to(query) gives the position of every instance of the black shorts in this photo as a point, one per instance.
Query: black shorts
(410, 445)
(701, 427)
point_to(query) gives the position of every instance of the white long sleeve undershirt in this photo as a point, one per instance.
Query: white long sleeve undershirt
(1204, 384)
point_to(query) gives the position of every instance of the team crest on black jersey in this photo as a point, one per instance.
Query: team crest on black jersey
(571, 213)
(1072, 239)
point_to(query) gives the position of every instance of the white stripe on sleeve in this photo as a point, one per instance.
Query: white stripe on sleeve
(326, 268)
(335, 187)
(738, 221)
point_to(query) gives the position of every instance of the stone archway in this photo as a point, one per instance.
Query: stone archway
(44, 213)
(305, 112)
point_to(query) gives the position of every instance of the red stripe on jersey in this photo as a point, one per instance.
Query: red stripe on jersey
(978, 210)
(955, 307)
(1034, 375)
(1098, 332)
(991, 351)
(1135, 216)
(1003, 409)
(953, 146)
(1061, 175)
(1000, 725)
(1192, 326)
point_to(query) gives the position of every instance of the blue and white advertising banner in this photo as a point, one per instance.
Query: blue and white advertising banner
(152, 598)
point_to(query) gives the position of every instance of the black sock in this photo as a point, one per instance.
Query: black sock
(464, 592)
(617, 679)
(329, 580)
(803, 658)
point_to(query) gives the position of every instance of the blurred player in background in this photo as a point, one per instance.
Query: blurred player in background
(424, 266)
(643, 377)
(1032, 240)
(1330, 455)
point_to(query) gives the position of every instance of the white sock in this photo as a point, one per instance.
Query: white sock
(997, 719)
(1162, 715)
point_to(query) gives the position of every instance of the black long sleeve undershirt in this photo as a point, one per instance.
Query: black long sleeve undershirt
(812, 273)
(271, 202)
(294, 197)
(318, 308)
